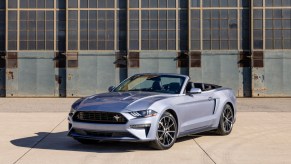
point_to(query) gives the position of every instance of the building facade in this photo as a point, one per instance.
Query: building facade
(73, 48)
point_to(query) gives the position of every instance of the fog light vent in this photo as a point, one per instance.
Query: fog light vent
(139, 126)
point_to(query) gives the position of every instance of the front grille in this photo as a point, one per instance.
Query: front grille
(100, 117)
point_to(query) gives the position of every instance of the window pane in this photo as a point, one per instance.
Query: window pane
(195, 3)
(73, 3)
(84, 4)
(133, 3)
(12, 4)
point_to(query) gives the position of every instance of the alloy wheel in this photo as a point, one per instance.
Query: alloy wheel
(227, 119)
(167, 131)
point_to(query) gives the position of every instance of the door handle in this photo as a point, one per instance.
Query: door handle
(210, 98)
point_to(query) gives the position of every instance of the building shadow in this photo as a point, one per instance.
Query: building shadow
(122, 39)
(60, 141)
(246, 59)
(2, 75)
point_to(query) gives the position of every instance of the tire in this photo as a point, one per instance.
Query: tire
(166, 134)
(226, 121)
(86, 141)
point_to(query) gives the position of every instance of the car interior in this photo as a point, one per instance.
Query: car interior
(202, 86)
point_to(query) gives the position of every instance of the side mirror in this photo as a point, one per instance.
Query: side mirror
(195, 91)
(111, 88)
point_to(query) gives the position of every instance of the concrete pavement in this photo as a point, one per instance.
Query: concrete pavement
(34, 131)
(9, 105)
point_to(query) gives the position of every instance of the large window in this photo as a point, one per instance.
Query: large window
(157, 28)
(278, 29)
(36, 30)
(36, 25)
(220, 29)
(219, 25)
(272, 24)
(97, 30)
(92, 24)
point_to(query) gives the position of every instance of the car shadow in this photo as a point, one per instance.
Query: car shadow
(60, 141)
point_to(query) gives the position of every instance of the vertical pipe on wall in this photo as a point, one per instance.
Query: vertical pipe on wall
(6, 26)
(251, 10)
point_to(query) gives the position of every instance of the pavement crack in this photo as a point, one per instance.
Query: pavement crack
(204, 151)
(33, 146)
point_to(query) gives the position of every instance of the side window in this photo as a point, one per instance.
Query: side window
(172, 85)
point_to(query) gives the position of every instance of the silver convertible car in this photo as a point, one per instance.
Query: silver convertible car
(154, 108)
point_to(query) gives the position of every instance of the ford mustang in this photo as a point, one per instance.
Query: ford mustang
(153, 108)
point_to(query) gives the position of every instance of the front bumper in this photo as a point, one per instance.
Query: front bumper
(135, 130)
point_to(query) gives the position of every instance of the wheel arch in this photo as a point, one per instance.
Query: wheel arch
(172, 112)
(231, 105)
(233, 110)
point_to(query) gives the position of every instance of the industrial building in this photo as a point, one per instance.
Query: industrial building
(74, 48)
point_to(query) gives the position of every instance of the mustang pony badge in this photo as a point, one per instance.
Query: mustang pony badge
(116, 117)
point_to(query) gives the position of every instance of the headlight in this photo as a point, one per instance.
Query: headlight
(75, 106)
(143, 113)
(72, 111)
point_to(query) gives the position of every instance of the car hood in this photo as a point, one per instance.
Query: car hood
(120, 101)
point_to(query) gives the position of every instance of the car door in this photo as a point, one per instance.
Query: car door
(196, 111)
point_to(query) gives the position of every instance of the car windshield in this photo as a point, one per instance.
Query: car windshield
(152, 83)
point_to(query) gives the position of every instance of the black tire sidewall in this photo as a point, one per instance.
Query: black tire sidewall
(157, 142)
(221, 122)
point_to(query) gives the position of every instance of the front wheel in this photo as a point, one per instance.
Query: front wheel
(226, 121)
(166, 133)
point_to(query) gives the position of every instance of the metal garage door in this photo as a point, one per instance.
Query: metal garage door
(32, 75)
(90, 73)
(272, 74)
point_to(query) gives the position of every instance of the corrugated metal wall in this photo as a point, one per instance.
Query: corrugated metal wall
(94, 73)
(155, 61)
(33, 75)
(274, 78)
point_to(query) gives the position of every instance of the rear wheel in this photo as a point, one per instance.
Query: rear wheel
(166, 133)
(226, 121)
